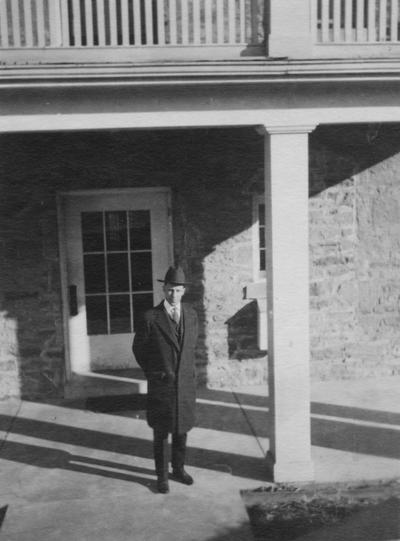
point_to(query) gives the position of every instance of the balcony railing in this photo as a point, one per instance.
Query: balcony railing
(80, 30)
(76, 31)
(333, 28)
(358, 27)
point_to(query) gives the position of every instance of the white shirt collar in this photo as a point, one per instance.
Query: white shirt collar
(169, 308)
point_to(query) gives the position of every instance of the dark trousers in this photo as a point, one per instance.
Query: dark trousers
(161, 452)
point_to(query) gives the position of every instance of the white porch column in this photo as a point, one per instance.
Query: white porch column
(286, 203)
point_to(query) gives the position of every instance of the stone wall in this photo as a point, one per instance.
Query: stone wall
(333, 275)
(354, 256)
(9, 357)
(214, 204)
(211, 208)
(378, 269)
(32, 343)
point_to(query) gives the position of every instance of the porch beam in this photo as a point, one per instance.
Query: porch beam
(286, 204)
(39, 122)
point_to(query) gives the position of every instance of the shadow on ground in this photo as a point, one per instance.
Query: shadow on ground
(216, 410)
(354, 413)
(343, 428)
(241, 533)
(47, 457)
(333, 426)
(3, 511)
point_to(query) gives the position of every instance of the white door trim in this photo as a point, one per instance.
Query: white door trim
(62, 239)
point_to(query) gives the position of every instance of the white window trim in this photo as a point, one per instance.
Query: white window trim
(258, 288)
(257, 273)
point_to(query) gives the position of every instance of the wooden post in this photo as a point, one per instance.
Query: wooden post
(286, 204)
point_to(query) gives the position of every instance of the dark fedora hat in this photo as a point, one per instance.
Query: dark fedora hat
(175, 276)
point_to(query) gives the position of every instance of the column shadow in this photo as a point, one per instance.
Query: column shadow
(351, 412)
(238, 465)
(346, 430)
(47, 457)
(3, 512)
(215, 409)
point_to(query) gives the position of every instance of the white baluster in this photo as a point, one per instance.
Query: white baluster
(55, 23)
(66, 37)
(172, 22)
(76, 21)
(137, 27)
(16, 28)
(28, 23)
(348, 20)
(208, 21)
(360, 21)
(382, 20)
(40, 23)
(242, 18)
(89, 23)
(112, 9)
(185, 22)
(336, 21)
(4, 25)
(220, 21)
(314, 21)
(160, 22)
(125, 22)
(149, 22)
(325, 20)
(196, 22)
(101, 25)
(371, 21)
(394, 20)
(231, 21)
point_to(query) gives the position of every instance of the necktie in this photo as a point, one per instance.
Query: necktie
(175, 315)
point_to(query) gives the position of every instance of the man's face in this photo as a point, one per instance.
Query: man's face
(173, 294)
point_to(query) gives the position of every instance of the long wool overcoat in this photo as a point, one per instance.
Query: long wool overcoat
(169, 368)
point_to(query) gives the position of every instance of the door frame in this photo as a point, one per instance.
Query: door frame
(62, 243)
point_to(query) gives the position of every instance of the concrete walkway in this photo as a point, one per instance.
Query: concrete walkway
(84, 471)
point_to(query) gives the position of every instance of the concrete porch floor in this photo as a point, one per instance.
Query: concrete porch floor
(83, 471)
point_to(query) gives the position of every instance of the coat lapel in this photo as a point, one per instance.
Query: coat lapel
(165, 325)
(187, 322)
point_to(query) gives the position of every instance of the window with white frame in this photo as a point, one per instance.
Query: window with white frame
(257, 288)
(259, 255)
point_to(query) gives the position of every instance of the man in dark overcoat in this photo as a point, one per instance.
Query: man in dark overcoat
(164, 347)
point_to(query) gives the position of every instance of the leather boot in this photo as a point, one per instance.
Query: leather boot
(182, 476)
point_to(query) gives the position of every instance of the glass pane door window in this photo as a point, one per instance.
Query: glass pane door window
(118, 269)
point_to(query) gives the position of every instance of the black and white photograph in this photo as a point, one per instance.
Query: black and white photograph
(199, 270)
